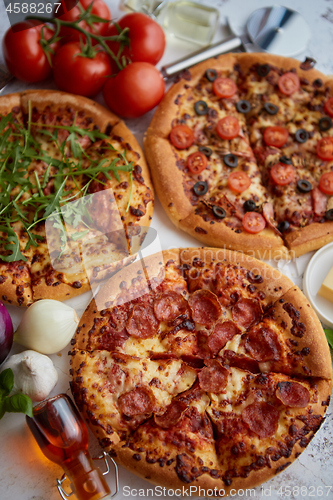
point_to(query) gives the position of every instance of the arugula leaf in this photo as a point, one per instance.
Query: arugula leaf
(329, 336)
(6, 381)
(17, 403)
(13, 245)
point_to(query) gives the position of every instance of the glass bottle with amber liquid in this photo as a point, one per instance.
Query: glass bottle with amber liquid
(63, 438)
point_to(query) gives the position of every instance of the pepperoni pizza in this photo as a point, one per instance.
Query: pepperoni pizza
(241, 154)
(201, 367)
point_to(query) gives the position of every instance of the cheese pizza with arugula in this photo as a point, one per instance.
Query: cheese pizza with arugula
(57, 149)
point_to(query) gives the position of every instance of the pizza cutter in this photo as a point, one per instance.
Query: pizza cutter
(276, 30)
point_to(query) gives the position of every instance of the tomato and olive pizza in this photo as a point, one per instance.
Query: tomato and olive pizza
(201, 366)
(241, 154)
(56, 150)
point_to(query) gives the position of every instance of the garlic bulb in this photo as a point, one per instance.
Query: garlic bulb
(34, 374)
(47, 326)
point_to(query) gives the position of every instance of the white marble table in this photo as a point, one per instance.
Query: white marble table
(24, 473)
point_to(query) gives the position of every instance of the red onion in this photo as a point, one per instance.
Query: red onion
(6, 333)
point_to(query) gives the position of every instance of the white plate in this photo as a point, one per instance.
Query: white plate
(315, 273)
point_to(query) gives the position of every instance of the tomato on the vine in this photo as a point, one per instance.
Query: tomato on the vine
(135, 90)
(23, 52)
(78, 74)
(99, 9)
(147, 39)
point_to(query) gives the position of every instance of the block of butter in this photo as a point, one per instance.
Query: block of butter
(326, 289)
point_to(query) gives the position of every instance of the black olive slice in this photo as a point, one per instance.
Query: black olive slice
(283, 226)
(219, 212)
(263, 69)
(206, 151)
(211, 74)
(325, 123)
(271, 108)
(286, 160)
(304, 186)
(249, 206)
(243, 106)
(301, 135)
(200, 188)
(201, 108)
(329, 214)
(230, 160)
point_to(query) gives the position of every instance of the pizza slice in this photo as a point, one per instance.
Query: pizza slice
(120, 391)
(262, 422)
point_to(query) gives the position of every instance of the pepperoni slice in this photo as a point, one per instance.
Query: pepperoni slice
(222, 333)
(205, 307)
(169, 305)
(136, 402)
(293, 394)
(263, 344)
(214, 377)
(246, 312)
(262, 418)
(240, 361)
(172, 415)
(142, 323)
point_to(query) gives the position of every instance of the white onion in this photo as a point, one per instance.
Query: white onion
(47, 326)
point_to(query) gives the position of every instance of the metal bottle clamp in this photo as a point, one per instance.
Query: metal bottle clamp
(104, 457)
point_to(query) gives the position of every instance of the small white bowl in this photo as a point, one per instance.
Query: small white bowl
(315, 273)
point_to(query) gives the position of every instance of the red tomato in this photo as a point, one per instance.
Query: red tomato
(99, 9)
(228, 127)
(239, 181)
(23, 53)
(77, 74)
(135, 90)
(289, 83)
(182, 136)
(196, 162)
(253, 222)
(325, 148)
(326, 183)
(282, 174)
(276, 136)
(329, 106)
(147, 39)
(224, 87)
